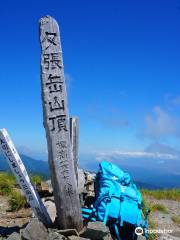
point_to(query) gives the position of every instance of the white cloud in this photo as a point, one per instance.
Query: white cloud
(160, 124)
(134, 154)
(172, 101)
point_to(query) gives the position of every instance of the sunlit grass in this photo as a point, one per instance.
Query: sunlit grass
(176, 219)
(16, 201)
(159, 207)
(170, 194)
(7, 182)
(36, 179)
(8, 187)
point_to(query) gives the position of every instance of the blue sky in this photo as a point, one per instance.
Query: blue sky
(122, 64)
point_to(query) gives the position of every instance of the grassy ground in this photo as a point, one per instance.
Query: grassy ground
(8, 187)
(170, 194)
(7, 182)
(152, 224)
(176, 219)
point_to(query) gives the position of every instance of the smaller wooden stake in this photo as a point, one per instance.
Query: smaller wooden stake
(74, 136)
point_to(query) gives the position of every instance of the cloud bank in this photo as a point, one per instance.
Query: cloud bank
(135, 154)
(160, 124)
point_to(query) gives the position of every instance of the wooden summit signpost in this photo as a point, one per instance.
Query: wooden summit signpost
(56, 123)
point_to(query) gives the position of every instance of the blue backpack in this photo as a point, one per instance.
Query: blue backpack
(118, 203)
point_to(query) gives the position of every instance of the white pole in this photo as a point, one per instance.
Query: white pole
(19, 170)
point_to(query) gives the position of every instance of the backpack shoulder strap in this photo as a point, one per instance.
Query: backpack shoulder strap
(117, 231)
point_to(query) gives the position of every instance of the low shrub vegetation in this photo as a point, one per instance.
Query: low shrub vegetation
(36, 179)
(5, 188)
(159, 207)
(170, 194)
(8, 187)
(7, 182)
(176, 219)
(16, 201)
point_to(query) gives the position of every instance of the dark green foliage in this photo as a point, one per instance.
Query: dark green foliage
(16, 201)
(7, 182)
(36, 179)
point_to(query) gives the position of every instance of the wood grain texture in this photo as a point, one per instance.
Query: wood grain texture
(74, 136)
(56, 123)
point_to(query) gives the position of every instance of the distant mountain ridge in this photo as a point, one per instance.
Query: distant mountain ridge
(150, 172)
(149, 175)
(162, 148)
(33, 166)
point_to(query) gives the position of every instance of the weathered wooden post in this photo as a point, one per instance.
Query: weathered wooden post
(74, 136)
(18, 169)
(56, 123)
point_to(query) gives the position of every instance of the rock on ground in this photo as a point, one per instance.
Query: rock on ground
(55, 236)
(14, 236)
(51, 208)
(96, 231)
(77, 238)
(35, 230)
(167, 237)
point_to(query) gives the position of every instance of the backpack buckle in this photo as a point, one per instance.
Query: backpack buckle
(139, 206)
(121, 198)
